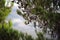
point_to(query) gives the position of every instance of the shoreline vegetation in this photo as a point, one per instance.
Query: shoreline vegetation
(6, 30)
(36, 10)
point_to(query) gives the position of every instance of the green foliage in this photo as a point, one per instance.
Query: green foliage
(25, 36)
(19, 12)
(10, 23)
(5, 25)
(4, 11)
(45, 13)
(2, 3)
(7, 33)
(28, 37)
(0, 25)
(40, 36)
(22, 36)
(24, 15)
